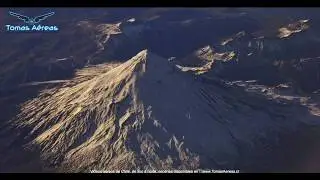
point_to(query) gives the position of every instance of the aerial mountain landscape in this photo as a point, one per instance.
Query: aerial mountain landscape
(162, 89)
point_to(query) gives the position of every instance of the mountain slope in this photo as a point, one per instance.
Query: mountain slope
(146, 114)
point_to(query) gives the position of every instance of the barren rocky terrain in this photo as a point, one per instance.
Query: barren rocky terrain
(162, 88)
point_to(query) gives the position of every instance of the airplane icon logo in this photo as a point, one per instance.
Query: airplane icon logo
(32, 21)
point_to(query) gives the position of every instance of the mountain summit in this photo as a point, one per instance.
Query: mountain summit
(145, 114)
